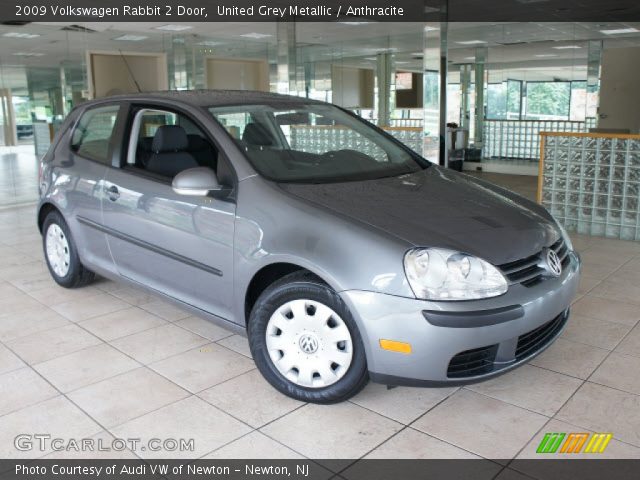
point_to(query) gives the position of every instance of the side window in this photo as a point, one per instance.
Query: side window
(92, 135)
(165, 143)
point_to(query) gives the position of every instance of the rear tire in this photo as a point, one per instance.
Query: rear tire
(305, 342)
(61, 254)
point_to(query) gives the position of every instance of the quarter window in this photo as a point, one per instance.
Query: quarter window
(93, 132)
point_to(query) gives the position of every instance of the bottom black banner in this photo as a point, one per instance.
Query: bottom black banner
(570, 469)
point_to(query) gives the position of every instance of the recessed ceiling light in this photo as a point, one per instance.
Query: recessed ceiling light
(546, 55)
(371, 59)
(255, 35)
(20, 35)
(617, 31)
(567, 47)
(209, 43)
(469, 58)
(430, 29)
(28, 54)
(402, 63)
(471, 42)
(173, 28)
(130, 38)
(355, 23)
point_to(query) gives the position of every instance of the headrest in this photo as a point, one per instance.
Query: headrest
(170, 138)
(197, 143)
(256, 134)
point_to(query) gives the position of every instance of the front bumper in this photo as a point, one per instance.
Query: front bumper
(510, 330)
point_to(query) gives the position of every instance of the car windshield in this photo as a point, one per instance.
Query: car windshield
(314, 143)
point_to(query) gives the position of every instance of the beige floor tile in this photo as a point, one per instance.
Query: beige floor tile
(254, 446)
(133, 296)
(237, 343)
(530, 387)
(267, 403)
(587, 283)
(99, 446)
(55, 294)
(21, 388)
(85, 367)
(165, 310)
(34, 282)
(615, 448)
(43, 346)
(619, 371)
(90, 306)
(482, 425)
(8, 291)
(21, 271)
(609, 310)
(401, 404)
(127, 396)
(8, 360)
(27, 322)
(571, 358)
(594, 332)
(626, 274)
(203, 367)
(600, 270)
(106, 285)
(122, 323)
(158, 343)
(603, 409)
(629, 293)
(17, 303)
(204, 328)
(339, 431)
(410, 444)
(57, 417)
(631, 344)
(191, 418)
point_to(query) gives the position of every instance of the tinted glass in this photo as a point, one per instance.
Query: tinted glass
(314, 144)
(93, 132)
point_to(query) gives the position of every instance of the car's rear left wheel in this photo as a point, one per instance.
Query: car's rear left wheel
(61, 255)
(305, 341)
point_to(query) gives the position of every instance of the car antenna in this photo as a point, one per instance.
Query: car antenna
(124, 59)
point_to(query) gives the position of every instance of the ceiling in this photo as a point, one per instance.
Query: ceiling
(515, 50)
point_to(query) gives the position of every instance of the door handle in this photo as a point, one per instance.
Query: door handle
(113, 193)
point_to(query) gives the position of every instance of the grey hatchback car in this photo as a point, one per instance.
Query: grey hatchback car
(343, 255)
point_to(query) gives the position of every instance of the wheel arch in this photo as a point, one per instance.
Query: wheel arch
(267, 275)
(44, 210)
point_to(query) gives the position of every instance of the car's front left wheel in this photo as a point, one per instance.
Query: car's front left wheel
(305, 341)
(61, 254)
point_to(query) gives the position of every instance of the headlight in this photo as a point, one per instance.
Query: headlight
(565, 236)
(441, 274)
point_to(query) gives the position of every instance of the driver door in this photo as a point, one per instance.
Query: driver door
(179, 245)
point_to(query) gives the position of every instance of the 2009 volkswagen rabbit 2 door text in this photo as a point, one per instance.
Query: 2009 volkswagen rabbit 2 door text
(343, 255)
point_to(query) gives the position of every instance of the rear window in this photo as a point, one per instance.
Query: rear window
(93, 132)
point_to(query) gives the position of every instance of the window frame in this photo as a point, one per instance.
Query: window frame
(134, 110)
(114, 132)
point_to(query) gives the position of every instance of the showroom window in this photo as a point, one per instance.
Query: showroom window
(92, 135)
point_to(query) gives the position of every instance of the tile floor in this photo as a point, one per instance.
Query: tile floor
(106, 362)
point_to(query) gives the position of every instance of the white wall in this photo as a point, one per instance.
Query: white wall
(620, 89)
(109, 73)
(237, 74)
(352, 87)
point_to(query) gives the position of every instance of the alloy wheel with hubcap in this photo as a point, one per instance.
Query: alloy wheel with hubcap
(309, 343)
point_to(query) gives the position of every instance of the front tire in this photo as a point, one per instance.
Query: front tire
(305, 342)
(61, 255)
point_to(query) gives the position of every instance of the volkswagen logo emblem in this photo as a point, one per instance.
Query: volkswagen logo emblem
(308, 343)
(554, 264)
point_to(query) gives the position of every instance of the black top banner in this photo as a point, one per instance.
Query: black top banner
(172, 11)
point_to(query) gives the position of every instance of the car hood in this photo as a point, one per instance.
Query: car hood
(439, 207)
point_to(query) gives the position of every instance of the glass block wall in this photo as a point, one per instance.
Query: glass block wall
(521, 138)
(591, 183)
(317, 139)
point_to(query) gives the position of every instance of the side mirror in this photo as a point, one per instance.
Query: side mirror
(198, 181)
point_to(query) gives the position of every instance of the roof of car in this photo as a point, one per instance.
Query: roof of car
(214, 98)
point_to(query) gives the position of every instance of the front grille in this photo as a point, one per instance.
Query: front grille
(527, 272)
(472, 362)
(534, 340)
